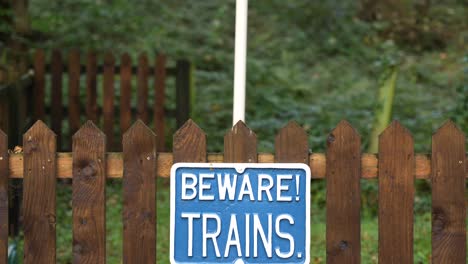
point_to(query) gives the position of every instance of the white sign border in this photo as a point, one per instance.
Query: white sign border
(240, 167)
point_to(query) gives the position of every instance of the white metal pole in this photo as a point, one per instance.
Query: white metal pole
(240, 59)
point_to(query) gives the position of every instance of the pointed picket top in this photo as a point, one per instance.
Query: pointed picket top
(344, 128)
(240, 144)
(241, 128)
(138, 127)
(395, 128)
(449, 127)
(89, 129)
(291, 144)
(39, 126)
(189, 143)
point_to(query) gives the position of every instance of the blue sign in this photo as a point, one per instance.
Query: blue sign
(240, 213)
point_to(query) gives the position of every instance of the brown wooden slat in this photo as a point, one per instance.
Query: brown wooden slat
(139, 195)
(396, 195)
(56, 103)
(142, 88)
(88, 198)
(39, 195)
(74, 91)
(3, 198)
(39, 84)
(91, 87)
(240, 144)
(125, 92)
(189, 143)
(316, 162)
(291, 144)
(448, 195)
(159, 98)
(108, 99)
(343, 195)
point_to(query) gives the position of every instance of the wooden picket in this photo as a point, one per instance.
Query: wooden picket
(448, 195)
(125, 91)
(91, 86)
(39, 194)
(139, 195)
(56, 107)
(343, 195)
(108, 98)
(39, 85)
(189, 143)
(4, 168)
(159, 99)
(291, 144)
(240, 144)
(88, 198)
(396, 195)
(142, 88)
(74, 90)
(343, 166)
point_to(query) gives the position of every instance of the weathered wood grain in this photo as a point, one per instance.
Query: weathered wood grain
(39, 84)
(125, 92)
(139, 195)
(291, 144)
(159, 98)
(343, 229)
(39, 195)
(91, 87)
(88, 198)
(448, 195)
(74, 90)
(56, 98)
(142, 88)
(240, 144)
(3, 198)
(396, 195)
(189, 143)
(108, 99)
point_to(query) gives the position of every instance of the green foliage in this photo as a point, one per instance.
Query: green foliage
(460, 114)
(313, 61)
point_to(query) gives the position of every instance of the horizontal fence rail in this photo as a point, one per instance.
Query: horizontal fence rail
(316, 162)
(396, 166)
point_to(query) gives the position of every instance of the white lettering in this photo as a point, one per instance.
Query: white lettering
(227, 186)
(212, 236)
(283, 188)
(258, 230)
(233, 230)
(246, 189)
(204, 186)
(186, 186)
(190, 217)
(284, 235)
(265, 188)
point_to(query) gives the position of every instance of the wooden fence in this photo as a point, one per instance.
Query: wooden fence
(343, 166)
(56, 84)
